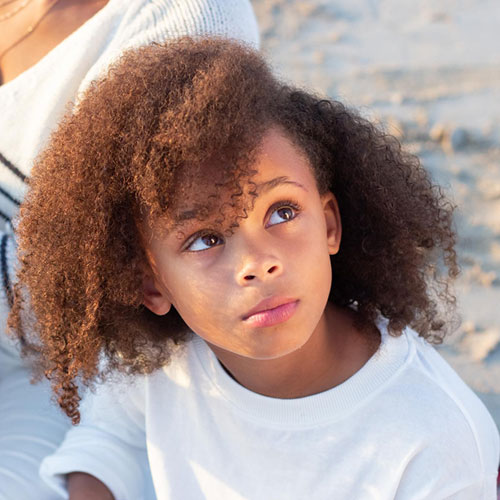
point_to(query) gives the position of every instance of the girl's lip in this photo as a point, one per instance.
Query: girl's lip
(270, 314)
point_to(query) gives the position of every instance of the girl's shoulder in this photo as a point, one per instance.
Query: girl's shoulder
(436, 408)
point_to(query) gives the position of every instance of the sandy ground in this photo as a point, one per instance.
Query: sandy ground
(430, 73)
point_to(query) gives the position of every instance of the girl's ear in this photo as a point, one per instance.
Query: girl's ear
(333, 222)
(155, 298)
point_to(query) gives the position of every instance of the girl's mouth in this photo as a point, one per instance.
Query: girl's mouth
(271, 315)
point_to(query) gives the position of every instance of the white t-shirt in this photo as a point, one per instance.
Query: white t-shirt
(403, 427)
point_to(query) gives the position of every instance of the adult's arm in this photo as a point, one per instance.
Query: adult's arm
(146, 22)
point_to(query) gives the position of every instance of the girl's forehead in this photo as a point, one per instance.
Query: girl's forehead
(277, 160)
(279, 156)
(219, 194)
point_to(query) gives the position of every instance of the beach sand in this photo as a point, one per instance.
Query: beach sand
(429, 72)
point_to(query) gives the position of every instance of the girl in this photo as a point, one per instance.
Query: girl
(270, 267)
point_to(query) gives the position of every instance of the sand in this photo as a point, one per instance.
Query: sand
(429, 72)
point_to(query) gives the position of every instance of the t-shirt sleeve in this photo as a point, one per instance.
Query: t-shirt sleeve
(483, 489)
(456, 473)
(108, 444)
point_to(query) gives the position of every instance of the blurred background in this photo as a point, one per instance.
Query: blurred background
(429, 73)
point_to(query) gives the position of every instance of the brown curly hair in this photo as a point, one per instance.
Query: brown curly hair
(139, 142)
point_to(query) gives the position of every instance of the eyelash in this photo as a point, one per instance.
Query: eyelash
(195, 236)
(285, 204)
(273, 208)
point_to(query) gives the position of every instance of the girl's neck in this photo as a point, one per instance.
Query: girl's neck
(335, 351)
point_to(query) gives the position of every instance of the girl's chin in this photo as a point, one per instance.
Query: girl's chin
(273, 352)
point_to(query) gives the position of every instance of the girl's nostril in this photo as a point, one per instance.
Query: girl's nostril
(271, 269)
(249, 277)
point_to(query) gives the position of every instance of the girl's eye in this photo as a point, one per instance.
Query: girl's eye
(282, 214)
(204, 242)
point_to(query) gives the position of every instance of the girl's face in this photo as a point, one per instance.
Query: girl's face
(262, 291)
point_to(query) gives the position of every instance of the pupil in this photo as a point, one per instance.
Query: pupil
(285, 213)
(210, 240)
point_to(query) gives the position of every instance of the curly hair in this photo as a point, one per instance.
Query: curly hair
(139, 141)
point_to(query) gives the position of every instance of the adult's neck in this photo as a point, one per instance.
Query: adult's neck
(52, 22)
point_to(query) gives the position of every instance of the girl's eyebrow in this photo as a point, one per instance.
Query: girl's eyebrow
(277, 181)
(188, 215)
(263, 187)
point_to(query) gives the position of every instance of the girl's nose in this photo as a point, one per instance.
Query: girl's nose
(259, 268)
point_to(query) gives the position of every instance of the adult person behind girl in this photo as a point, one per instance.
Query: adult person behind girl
(50, 51)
